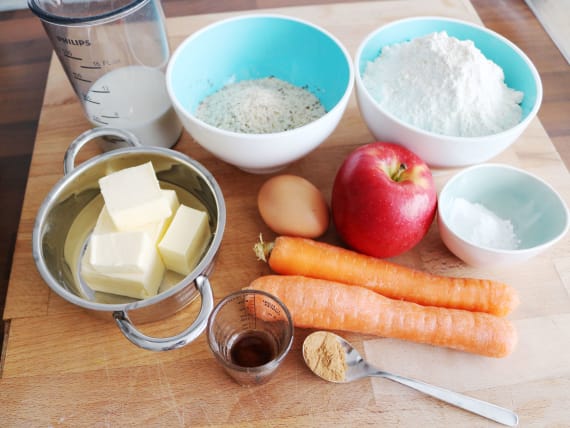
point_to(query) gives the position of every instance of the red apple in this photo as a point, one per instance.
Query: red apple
(383, 199)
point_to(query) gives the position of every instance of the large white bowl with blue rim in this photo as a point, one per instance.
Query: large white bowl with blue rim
(253, 47)
(436, 149)
(537, 212)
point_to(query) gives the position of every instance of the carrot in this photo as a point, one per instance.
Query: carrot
(299, 256)
(328, 305)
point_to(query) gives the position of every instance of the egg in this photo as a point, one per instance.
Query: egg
(292, 205)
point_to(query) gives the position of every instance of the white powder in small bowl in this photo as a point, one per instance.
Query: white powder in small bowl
(480, 226)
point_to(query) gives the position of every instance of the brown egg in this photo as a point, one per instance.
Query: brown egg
(291, 205)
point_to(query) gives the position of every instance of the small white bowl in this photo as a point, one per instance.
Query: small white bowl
(439, 150)
(253, 47)
(538, 214)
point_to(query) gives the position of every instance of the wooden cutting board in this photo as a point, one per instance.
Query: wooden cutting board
(63, 366)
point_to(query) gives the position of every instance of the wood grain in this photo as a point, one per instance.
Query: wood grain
(78, 370)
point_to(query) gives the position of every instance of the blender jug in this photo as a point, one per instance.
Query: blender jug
(115, 54)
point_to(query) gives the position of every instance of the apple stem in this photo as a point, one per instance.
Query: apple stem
(398, 174)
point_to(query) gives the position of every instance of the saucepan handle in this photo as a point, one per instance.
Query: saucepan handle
(174, 342)
(124, 138)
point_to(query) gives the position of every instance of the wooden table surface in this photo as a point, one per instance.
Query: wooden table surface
(62, 366)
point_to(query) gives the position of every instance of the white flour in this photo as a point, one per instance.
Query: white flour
(443, 85)
(260, 106)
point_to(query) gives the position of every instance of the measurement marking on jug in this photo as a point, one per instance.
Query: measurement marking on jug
(96, 119)
(91, 67)
(70, 56)
(89, 100)
(78, 76)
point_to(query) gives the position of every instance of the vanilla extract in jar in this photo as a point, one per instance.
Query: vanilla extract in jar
(250, 332)
(252, 349)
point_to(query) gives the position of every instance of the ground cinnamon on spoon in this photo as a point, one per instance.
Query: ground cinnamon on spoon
(325, 356)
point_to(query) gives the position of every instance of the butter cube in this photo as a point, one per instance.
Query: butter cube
(155, 230)
(139, 285)
(104, 223)
(185, 240)
(133, 197)
(120, 252)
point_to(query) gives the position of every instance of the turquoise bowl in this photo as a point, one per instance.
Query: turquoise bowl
(253, 47)
(538, 214)
(441, 150)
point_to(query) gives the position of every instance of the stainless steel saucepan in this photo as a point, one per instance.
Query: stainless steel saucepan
(69, 212)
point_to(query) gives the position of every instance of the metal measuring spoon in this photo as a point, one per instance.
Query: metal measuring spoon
(357, 368)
